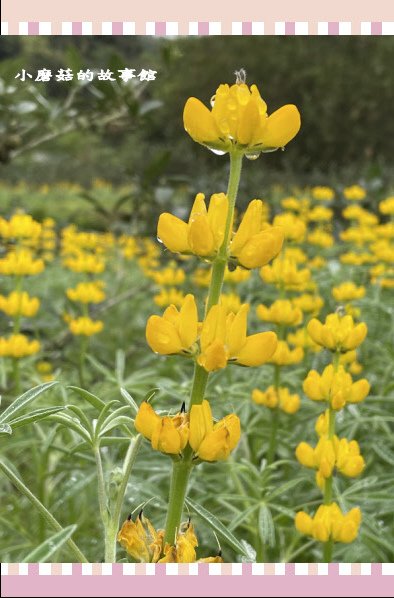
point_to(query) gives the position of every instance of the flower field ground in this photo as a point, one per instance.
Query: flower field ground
(270, 480)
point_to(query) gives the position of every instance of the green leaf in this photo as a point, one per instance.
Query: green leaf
(284, 488)
(5, 429)
(266, 526)
(129, 399)
(217, 526)
(35, 416)
(88, 396)
(44, 551)
(21, 402)
(384, 453)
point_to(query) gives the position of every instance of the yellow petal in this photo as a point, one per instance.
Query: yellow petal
(258, 349)
(162, 336)
(173, 233)
(217, 217)
(146, 420)
(237, 333)
(214, 357)
(199, 122)
(215, 446)
(250, 225)
(200, 236)
(282, 126)
(201, 424)
(188, 322)
(261, 248)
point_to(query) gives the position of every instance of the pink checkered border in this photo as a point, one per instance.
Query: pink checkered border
(213, 569)
(171, 28)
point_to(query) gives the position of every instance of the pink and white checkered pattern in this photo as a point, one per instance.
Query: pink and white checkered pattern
(213, 569)
(197, 28)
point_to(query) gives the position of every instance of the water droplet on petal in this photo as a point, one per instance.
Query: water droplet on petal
(253, 155)
(216, 151)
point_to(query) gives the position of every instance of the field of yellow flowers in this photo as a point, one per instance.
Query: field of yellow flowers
(222, 392)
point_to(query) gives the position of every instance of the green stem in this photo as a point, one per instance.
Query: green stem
(181, 469)
(102, 494)
(179, 480)
(274, 419)
(329, 545)
(111, 531)
(81, 363)
(49, 518)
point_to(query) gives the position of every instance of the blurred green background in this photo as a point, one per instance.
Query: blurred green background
(132, 134)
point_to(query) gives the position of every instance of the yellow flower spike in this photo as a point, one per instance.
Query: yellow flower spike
(201, 423)
(281, 397)
(294, 228)
(146, 420)
(87, 292)
(337, 387)
(173, 233)
(348, 291)
(239, 119)
(269, 398)
(359, 391)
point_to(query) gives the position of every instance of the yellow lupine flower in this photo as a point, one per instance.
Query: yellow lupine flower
(171, 296)
(169, 276)
(354, 193)
(236, 276)
(168, 434)
(320, 214)
(85, 326)
(18, 346)
(294, 227)
(284, 273)
(203, 235)
(272, 398)
(357, 259)
(19, 303)
(184, 549)
(301, 338)
(323, 193)
(331, 453)
(224, 338)
(87, 292)
(321, 238)
(175, 331)
(338, 333)
(20, 226)
(87, 263)
(209, 441)
(140, 539)
(386, 206)
(337, 387)
(348, 291)
(295, 254)
(295, 204)
(239, 119)
(309, 303)
(21, 262)
(330, 523)
(281, 311)
(231, 302)
(286, 356)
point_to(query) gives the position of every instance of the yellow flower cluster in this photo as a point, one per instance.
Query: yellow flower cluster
(239, 119)
(146, 545)
(253, 245)
(85, 326)
(335, 386)
(87, 292)
(323, 193)
(329, 523)
(354, 193)
(19, 303)
(171, 434)
(280, 397)
(281, 311)
(21, 262)
(20, 226)
(348, 291)
(286, 356)
(219, 339)
(18, 346)
(338, 333)
(284, 274)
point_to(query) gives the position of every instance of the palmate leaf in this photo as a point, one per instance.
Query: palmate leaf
(218, 527)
